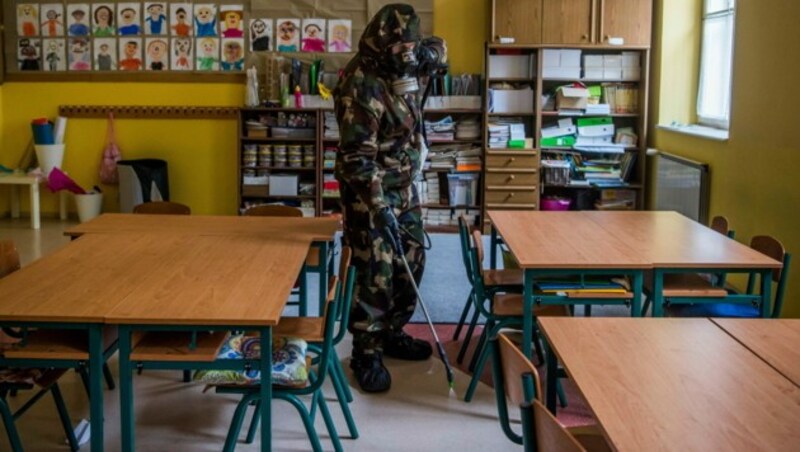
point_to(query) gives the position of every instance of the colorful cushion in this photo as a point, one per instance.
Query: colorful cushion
(288, 362)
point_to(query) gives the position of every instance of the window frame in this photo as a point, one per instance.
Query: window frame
(716, 123)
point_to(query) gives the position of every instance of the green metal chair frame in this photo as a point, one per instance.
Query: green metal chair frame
(251, 393)
(10, 417)
(463, 235)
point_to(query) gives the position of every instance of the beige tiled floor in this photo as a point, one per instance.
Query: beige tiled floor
(416, 415)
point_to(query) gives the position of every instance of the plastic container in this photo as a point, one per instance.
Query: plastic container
(43, 134)
(287, 132)
(49, 156)
(88, 205)
(555, 203)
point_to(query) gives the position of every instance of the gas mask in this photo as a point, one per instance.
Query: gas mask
(404, 64)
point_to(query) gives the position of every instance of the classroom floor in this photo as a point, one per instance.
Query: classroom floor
(416, 414)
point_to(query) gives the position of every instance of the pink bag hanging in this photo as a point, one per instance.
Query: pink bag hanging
(111, 155)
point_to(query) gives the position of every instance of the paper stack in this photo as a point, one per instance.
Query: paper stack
(331, 126)
(560, 135)
(597, 135)
(499, 134)
(442, 157)
(468, 159)
(441, 130)
(468, 129)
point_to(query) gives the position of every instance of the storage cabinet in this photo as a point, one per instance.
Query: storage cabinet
(630, 20)
(568, 21)
(521, 19)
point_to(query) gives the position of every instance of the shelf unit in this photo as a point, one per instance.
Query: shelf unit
(513, 176)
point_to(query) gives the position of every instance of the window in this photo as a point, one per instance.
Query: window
(716, 57)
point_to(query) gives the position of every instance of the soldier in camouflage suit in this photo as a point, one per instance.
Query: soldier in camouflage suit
(378, 160)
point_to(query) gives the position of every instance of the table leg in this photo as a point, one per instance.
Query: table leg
(323, 276)
(552, 379)
(266, 389)
(766, 293)
(527, 313)
(493, 249)
(636, 304)
(126, 389)
(658, 293)
(35, 222)
(14, 198)
(96, 385)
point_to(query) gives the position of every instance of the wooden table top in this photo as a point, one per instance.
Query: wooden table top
(775, 341)
(562, 240)
(675, 384)
(318, 229)
(669, 239)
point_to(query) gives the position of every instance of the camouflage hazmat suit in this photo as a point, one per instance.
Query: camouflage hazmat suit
(379, 156)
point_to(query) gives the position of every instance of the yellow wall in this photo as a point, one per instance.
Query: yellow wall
(201, 154)
(751, 173)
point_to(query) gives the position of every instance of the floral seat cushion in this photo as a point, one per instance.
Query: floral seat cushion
(288, 362)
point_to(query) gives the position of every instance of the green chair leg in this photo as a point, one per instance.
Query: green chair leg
(307, 423)
(338, 387)
(251, 432)
(464, 314)
(84, 373)
(479, 348)
(236, 422)
(562, 396)
(468, 337)
(63, 415)
(11, 429)
(326, 416)
(337, 368)
(109, 377)
(476, 376)
(537, 347)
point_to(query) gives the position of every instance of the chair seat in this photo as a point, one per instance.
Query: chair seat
(591, 438)
(310, 329)
(29, 377)
(503, 277)
(687, 285)
(510, 305)
(734, 310)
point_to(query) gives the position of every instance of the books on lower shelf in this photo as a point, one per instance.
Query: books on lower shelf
(454, 157)
(331, 126)
(505, 132)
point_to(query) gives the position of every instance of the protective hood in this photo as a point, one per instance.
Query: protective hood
(393, 24)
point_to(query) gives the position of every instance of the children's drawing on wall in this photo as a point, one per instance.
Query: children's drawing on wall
(130, 51)
(232, 55)
(51, 17)
(155, 22)
(128, 22)
(260, 35)
(103, 20)
(27, 19)
(205, 19)
(313, 35)
(79, 55)
(54, 55)
(78, 19)
(207, 54)
(157, 57)
(231, 24)
(180, 19)
(105, 54)
(182, 57)
(29, 54)
(340, 35)
(288, 35)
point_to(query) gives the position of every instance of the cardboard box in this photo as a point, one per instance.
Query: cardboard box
(283, 184)
(510, 66)
(572, 97)
(511, 101)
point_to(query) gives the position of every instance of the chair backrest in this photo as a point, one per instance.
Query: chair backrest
(720, 224)
(9, 258)
(163, 208)
(773, 248)
(477, 238)
(347, 279)
(542, 432)
(514, 366)
(273, 211)
(464, 236)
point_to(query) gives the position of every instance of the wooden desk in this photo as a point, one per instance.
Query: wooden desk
(775, 341)
(675, 384)
(207, 283)
(565, 243)
(674, 243)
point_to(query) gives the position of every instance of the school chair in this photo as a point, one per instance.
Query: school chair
(541, 432)
(312, 386)
(313, 261)
(509, 280)
(504, 311)
(517, 380)
(767, 245)
(162, 208)
(721, 225)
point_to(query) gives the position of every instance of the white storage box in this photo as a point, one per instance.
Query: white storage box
(561, 58)
(630, 59)
(631, 74)
(593, 73)
(570, 73)
(511, 101)
(592, 61)
(612, 61)
(283, 185)
(612, 74)
(570, 58)
(510, 66)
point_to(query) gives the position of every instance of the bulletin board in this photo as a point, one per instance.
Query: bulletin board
(47, 40)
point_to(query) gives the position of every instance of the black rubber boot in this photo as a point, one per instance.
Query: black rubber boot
(400, 345)
(371, 374)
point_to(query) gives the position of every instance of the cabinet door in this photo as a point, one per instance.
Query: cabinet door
(567, 21)
(628, 19)
(520, 19)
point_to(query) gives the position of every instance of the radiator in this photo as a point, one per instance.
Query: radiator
(682, 185)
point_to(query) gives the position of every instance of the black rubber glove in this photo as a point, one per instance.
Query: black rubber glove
(387, 223)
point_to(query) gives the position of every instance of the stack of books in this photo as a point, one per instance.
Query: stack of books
(331, 126)
(498, 135)
(441, 130)
(441, 158)
(621, 97)
(468, 129)
(468, 159)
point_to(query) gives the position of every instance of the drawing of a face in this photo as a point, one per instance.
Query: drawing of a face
(204, 15)
(259, 27)
(155, 10)
(104, 49)
(128, 16)
(157, 50)
(27, 50)
(182, 46)
(286, 31)
(78, 46)
(131, 49)
(232, 19)
(312, 31)
(102, 16)
(52, 14)
(340, 32)
(78, 15)
(26, 11)
(181, 15)
(52, 46)
(233, 52)
(209, 47)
